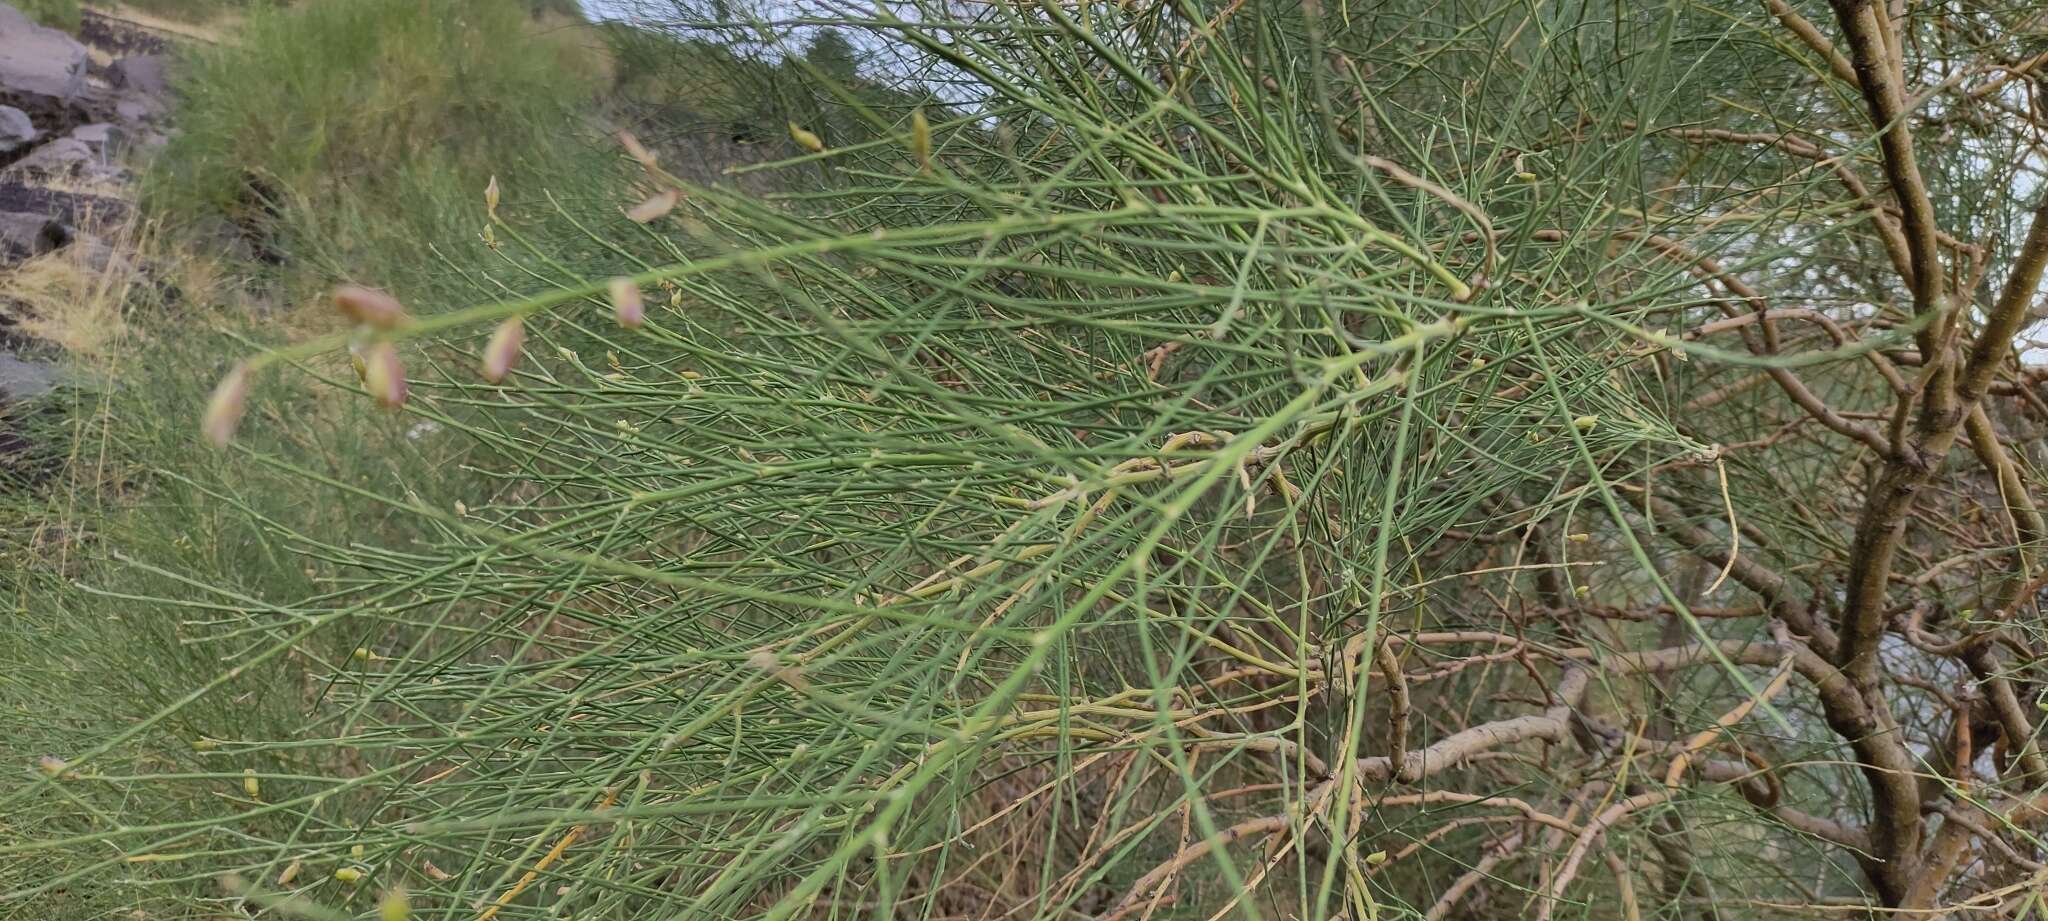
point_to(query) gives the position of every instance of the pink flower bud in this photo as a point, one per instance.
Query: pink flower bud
(637, 151)
(502, 352)
(384, 375)
(655, 206)
(626, 303)
(224, 410)
(368, 306)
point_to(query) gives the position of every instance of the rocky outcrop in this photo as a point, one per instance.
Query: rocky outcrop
(39, 65)
(143, 73)
(65, 127)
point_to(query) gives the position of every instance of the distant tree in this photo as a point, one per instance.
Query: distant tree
(830, 52)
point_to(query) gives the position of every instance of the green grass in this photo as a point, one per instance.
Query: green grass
(57, 14)
(344, 136)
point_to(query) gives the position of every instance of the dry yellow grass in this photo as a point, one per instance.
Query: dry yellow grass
(65, 299)
(215, 30)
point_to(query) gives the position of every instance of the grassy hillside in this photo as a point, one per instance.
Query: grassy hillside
(328, 142)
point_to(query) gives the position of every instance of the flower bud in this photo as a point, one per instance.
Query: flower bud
(349, 875)
(394, 906)
(384, 375)
(491, 198)
(502, 352)
(654, 207)
(921, 139)
(626, 303)
(805, 139)
(636, 150)
(368, 306)
(224, 409)
(250, 784)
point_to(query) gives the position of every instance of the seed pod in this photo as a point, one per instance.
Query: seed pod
(52, 765)
(349, 875)
(368, 306)
(1376, 858)
(355, 851)
(224, 409)
(250, 784)
(290, 872)
(626, 303)
(491, 199)
(384, 375)
(1585, 423)
(805, 139)
(921, 139)
(502, 352)
(204, 744)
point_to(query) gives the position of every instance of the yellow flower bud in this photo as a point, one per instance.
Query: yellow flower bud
(921, 139)
(805, 139)
(250, 784)
(349, 875)
(394, 906)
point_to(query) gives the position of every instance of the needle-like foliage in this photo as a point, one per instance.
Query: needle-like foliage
(1170, 460)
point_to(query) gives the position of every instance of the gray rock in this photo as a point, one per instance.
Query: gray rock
(16, 129)
(98, 134)
(22, 380)
(27, 233)
(142, 73)
(39, 62)
(62, 155)
(137, 108)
